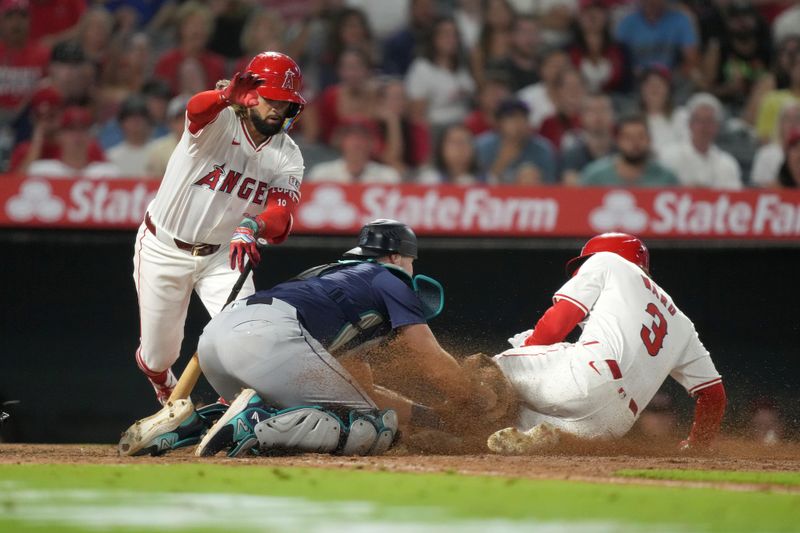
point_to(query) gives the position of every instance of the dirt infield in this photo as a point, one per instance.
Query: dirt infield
(597, 464)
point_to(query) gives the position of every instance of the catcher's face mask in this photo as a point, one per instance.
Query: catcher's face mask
(431, 293)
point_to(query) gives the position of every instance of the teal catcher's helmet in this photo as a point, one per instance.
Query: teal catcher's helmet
(384, 237)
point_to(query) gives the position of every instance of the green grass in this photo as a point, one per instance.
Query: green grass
(791, 479)
(38, 498)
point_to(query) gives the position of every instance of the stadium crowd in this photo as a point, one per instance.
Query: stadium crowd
(698, 93)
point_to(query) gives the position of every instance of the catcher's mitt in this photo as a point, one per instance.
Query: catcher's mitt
(485, 374)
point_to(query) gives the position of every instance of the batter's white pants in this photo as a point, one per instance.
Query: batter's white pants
(165, 277)
(573, 387)
(266, 348)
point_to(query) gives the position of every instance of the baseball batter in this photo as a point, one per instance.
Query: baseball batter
(633, 337)
(233, 178)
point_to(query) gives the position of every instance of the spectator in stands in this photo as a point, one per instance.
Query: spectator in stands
(667, 125)
(125, 73)
(468, 15)
(594, 140)
(45, 114)
(264, 30)
(776, 79)
(195, 22)
(130, 156)
(155, 94)
(349, 30)
(697, 161)
(230, 18)
(73, 157)
(556, 18)
(658, 33)
(495, 89)
(385, 18)
(494, 45)
(94, 35)
(633, 165)
(789, 175)
(22, 61)
(594, 53)
(540, 97)
(769, 109)
(403, 142)
(438, 82)
(513, 154)
(787, 24)
(522, 61)
(353, 98)
(770, 157)
(570, 92)
(160, 150)
(355, 140)
(74, 76)
(53, 21)
(402, 47)
(739, 58)
(454, 160)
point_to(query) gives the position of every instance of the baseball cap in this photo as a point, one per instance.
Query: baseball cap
(659, 70)
(67, 52)
(76, 117)
(511, 106)
(133, 106)
(13, 5)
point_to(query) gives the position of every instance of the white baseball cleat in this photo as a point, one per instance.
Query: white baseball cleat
(142, 433)
(511, 441)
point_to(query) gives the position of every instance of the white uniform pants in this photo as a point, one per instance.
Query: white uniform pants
(264, 347)
(573, 387)
(165, 277)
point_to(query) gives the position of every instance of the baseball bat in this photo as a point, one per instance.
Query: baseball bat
(191, 374)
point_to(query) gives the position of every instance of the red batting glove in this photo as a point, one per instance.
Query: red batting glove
(242, 89)
(243, 243)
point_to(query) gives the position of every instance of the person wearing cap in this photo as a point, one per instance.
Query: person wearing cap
(46, 109)
(295, 359)
(23, 62)
(74, 140)
(355, 140)
(161, 149)
(131, 154)
(513, 154)
(697, 161)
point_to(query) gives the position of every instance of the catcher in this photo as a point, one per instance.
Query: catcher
(633, 337)
(294, 360)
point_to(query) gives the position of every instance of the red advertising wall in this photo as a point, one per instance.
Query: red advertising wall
(443, 211)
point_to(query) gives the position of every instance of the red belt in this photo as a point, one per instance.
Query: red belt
(195, 249)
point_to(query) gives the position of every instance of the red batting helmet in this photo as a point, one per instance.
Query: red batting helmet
(624, 245)
(281, 75)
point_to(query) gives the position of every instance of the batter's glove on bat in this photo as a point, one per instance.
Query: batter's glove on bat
(242, 89)
(244, 243)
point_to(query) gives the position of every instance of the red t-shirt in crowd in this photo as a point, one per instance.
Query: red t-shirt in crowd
(51, 150)
(168, 67)
(20, 71)
(555, 126)
(53, 16)
(616, 62)
(476, 122)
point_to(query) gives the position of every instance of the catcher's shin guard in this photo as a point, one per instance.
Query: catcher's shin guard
(370, 433)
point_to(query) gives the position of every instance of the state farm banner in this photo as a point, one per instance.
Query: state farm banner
(442, 211)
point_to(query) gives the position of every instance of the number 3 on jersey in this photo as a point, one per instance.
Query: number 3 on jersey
(653, 337)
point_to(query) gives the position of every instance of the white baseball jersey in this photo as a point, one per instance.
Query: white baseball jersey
(637, 324)
(217, 175)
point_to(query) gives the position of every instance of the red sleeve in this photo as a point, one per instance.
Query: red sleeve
(204, 107)
(276, 219)
(708, 411)
(555, 324)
